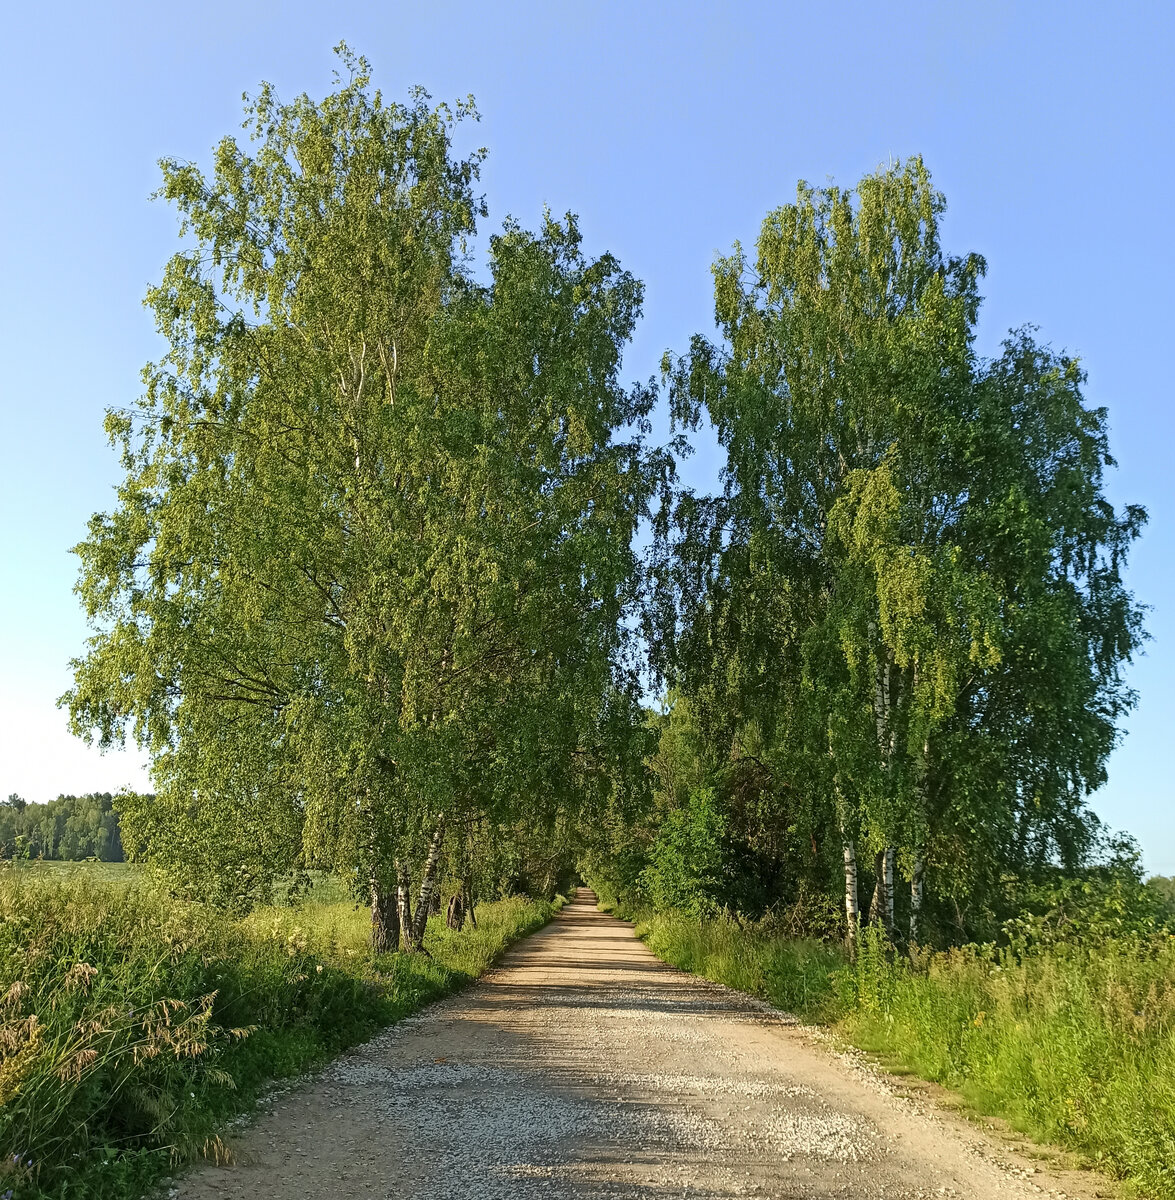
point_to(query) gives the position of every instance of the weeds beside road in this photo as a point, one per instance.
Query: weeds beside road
(133, 1025)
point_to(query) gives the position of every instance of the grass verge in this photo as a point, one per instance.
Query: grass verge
(1072, 1045)
(133, 1025)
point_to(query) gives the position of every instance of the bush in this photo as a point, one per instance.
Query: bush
(687, 861)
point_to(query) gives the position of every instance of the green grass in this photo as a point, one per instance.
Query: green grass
(91, 868)
(132, 1025)
(1073, 1045)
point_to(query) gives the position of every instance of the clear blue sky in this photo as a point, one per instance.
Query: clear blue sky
(671, 129)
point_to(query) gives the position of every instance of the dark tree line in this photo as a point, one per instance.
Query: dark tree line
(69, 828)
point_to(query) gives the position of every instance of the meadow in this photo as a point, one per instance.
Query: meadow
(1071, 1043)
(134, 1025)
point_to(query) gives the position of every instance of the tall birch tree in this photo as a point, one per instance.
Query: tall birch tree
(368, 574)
(841, 594)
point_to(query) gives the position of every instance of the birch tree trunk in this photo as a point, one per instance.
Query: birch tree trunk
(428, 883)
(404, 904)
(852, 915)
(916, 898)
(877, 901)
(922, 787)
(887, 865)
(881, 906)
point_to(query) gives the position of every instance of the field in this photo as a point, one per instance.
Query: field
(97, 872)
(1073, 1045)
(134, 1025)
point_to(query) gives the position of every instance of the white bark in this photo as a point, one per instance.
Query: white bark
(922, 790)
(916, 899)
(887, 889)
(404, 904)
(852, 914)
(428, 883)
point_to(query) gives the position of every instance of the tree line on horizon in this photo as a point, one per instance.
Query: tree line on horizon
(68, 828)
(371, 594)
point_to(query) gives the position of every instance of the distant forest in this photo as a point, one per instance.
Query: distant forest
(70, 828)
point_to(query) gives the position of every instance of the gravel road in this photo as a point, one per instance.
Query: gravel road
(584, 1067)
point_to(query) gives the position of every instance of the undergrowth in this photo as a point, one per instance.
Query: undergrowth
(133, 1025)
(1071, 1042)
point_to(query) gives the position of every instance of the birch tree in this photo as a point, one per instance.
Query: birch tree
(369, 567)
(841, 594)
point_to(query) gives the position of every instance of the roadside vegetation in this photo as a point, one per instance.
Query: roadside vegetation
(133, 1025)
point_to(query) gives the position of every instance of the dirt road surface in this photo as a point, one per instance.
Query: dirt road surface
(584, 1067)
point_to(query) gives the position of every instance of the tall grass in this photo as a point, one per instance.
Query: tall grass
(798, 976)
(1072, 1044)
(132, 1025)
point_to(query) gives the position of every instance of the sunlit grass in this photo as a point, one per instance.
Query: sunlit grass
(132, 1025)
(98, 872)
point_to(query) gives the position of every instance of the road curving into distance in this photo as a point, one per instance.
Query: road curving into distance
(582, 1067)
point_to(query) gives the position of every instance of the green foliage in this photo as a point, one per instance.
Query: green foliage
(370, 577)
(70, 828)
(902, 625)
(687, 860)
(1096, 906)
(1162, 887)
(134, 1024)
(1072, 1041)
(1073, 1045)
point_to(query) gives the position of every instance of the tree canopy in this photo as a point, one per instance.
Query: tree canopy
(371, 593)
(906, 607)
(369, 573)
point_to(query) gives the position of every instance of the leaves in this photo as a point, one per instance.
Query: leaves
(372, 562)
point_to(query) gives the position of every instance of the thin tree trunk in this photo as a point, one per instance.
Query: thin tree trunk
(916, 898)
(881, 905)
(922, 789)
(381, 933)
(887, 890)
(428, 883)
(878, 901)
(469, 905)
(852, 915)
(404, 904)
